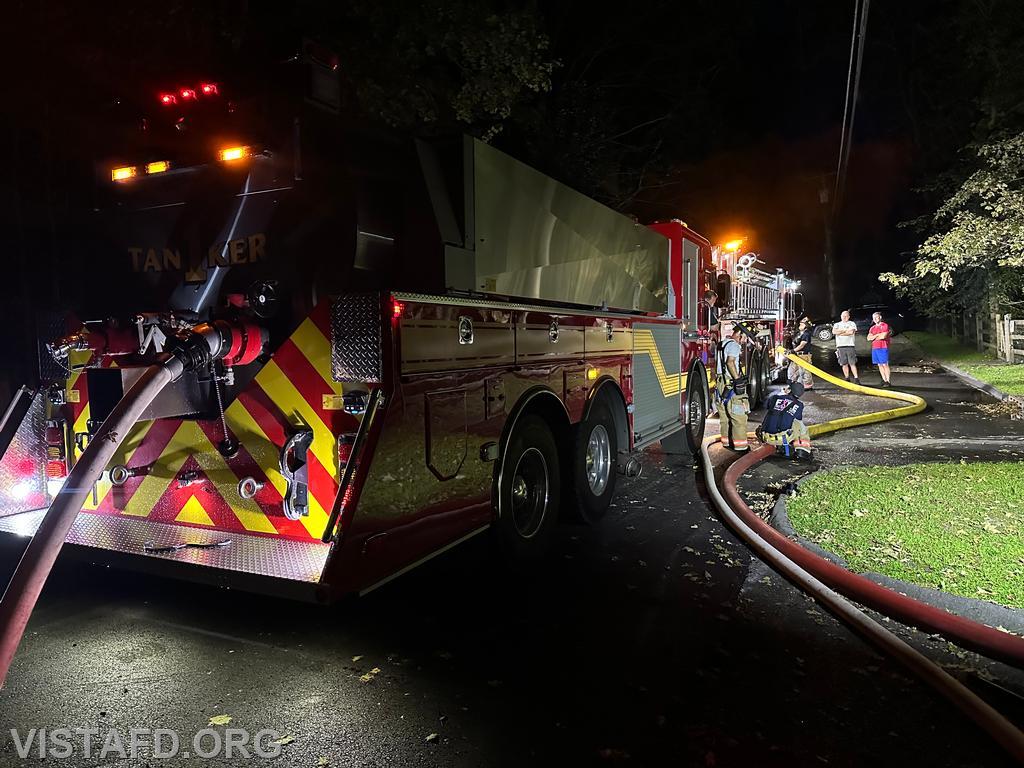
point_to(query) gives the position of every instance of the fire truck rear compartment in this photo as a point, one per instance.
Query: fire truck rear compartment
(114, 526)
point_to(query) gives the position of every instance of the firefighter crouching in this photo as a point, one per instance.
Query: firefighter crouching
(731, 389)
(783, 424)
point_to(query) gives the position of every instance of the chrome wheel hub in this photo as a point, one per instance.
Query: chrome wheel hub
(599, 459)
(695, 408)
(530, 492)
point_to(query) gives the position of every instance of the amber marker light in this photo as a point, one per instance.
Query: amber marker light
(227, 154)
(159, 166)
(123, 173)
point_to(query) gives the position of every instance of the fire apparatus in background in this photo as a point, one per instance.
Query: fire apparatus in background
(422, 340)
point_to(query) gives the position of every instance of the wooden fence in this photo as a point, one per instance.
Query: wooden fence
(1001, 335)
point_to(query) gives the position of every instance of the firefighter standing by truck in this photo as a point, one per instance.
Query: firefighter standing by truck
(731, 389)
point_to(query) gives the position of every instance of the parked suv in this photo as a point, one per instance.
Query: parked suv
(862, 317)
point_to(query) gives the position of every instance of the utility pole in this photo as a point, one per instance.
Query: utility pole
(860, 25)
(826, 216)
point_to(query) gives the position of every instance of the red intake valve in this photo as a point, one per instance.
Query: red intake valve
(247, 341)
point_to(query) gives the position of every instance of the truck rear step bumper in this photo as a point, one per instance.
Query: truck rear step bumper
(262, 556)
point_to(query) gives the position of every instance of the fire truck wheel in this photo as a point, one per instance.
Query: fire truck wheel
(528, 496)
(697, 399)
(766, 374)
(594, 455)
(754, 378)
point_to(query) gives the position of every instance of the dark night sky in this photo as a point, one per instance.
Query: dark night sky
(737, 105)
(758, 92)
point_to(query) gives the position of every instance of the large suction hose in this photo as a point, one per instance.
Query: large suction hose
(30, 576)
(821, 578)
(997, 726)
(204, 343)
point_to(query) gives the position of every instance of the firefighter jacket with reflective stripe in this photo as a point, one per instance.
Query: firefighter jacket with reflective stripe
(780, 413)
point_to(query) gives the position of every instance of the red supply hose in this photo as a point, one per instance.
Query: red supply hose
(752, 532)
(23, 591)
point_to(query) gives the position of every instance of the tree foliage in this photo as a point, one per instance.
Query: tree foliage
(971, 246)
(976, 240)
(466, 64)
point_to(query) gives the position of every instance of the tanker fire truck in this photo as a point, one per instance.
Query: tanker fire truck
(376, 348)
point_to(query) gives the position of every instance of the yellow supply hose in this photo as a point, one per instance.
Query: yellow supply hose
(917, 404)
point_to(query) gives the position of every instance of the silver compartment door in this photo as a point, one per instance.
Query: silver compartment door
(657, 382)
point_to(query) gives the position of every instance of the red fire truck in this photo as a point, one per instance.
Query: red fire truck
(410, 343)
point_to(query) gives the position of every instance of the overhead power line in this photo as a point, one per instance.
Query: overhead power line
(857, 36)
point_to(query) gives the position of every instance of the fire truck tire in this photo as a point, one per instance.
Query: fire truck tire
(594, 455)
(765, 375)
(755, 392)
(528, 493)
(698, 400)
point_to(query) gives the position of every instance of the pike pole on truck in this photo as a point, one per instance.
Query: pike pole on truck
(374, 348)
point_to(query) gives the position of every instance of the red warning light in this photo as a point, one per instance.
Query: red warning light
(187, 93)
(56, 468)
(167, 99)
(209, 89)
(397, 308)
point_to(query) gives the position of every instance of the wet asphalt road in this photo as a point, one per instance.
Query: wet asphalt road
(651, 639)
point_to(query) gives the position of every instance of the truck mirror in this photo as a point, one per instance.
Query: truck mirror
(723, 287)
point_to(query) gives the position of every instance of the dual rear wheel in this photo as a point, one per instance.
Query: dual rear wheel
(536, 480)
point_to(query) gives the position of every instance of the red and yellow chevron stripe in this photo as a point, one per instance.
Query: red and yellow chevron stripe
(189, 482)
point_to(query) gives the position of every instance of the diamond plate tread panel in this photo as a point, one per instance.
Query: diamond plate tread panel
(356, 338)
(50, 326)
(259, 555)
(22, 467)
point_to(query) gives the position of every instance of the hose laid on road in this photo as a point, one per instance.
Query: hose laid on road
(917, 404)
(1001, 729)
(816, 576)
(969, 634)
(20, 597)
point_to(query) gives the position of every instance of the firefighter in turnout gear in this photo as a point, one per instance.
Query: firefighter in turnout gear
(783, 424)
(731, 389)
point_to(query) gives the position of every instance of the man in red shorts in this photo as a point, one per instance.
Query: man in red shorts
(879, 335)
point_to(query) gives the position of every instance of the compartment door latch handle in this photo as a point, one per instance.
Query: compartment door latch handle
(295, 468)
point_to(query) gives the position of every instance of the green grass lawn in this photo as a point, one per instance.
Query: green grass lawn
(981, 365)
(955, 527)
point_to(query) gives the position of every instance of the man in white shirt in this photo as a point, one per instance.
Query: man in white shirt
(845, 332)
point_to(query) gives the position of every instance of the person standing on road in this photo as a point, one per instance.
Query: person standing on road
(878, 335)
(802, 347)
(845, 332)
(731, 390)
